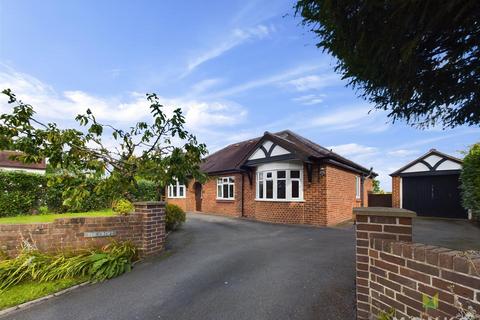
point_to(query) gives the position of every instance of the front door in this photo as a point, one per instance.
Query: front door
(198, 197)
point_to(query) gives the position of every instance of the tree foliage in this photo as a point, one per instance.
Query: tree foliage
(470, 180)
(420, 60)
(160, 151)
(376, 186)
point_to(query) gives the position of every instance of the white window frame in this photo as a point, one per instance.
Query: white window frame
(358, 188)
(174, 191)
(221, 182)
(261, 178)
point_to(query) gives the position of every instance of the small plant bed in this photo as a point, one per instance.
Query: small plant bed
(46, 218)
(33, 274)
(31, 290)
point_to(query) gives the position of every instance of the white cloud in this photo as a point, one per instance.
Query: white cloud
(310, 99)
(353, 149)
(314, 82)
(204, 85)
(64, 106)
(235, 38)
(275, 79)
(402, 152)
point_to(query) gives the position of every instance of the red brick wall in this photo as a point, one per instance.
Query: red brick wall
(397, 274)
(396, 192)
(145, 228)
(211, 205)
(341, 194)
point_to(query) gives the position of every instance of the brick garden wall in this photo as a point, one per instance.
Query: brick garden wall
(394, 272)
(145, 228)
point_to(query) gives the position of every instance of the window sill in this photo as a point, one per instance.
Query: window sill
(224, 200)
(280, 200)
(176, 197)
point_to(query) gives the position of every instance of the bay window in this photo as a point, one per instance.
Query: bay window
(176, 190)
(280, 185)
(226, 188)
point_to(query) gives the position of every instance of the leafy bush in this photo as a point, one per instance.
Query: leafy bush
(97, 265)
(20, 192)
(123, 206)
(175, 216)
(147, 191)
(470, 180)
(56, 197)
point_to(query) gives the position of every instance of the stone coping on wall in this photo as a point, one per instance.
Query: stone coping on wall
(384, 212)
(149, 203)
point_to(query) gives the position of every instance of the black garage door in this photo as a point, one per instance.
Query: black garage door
(433, 196)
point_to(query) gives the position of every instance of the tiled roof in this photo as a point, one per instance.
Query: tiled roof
(232, 157)
(6, 162)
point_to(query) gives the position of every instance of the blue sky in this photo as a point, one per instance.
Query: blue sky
(237, 69)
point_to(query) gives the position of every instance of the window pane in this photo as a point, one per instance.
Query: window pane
(269, 174)
(295, 174)
(231, 191)
(281, 174)
(231, 179)
(269, 189)
(295, 189)
(225, 191)
(225, 179)
(281, 189)
(219, 180)
(174, 191)
(180, 191)
(260, 175)
(260, 190)
(219, 191)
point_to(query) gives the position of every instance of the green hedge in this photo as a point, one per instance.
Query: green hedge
(54, 198)
(23, 193)
(20, 192)
(470, 180)
(147, 191)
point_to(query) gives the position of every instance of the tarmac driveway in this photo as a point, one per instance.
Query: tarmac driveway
(220, 268)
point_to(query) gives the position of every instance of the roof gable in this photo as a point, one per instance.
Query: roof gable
(431, 162)
(279, 146)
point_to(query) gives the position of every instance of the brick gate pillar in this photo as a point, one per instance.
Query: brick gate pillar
(376, 223)
(152, 223)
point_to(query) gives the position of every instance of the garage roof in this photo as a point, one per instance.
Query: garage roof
(431, 162)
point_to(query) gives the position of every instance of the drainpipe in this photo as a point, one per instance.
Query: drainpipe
(362, 182)
(243, 193)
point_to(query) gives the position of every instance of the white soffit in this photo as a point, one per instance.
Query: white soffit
(432, 159)
(258, 154)
(417, 167)
(267, 144)
(449, 165)
(278, 151)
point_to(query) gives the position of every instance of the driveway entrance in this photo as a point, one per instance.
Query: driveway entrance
(220, 268)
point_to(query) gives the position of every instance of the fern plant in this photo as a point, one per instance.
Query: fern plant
(97, 265)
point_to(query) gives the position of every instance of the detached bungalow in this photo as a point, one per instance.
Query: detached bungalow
(280, 177)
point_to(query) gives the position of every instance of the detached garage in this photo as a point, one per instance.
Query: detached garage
(430, 186)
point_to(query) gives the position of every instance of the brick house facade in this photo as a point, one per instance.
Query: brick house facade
(280, 178)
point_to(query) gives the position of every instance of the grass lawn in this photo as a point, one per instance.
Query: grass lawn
(44, 218)
(28, 291)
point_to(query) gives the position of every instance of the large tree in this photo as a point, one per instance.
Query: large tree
(161, 151)
(420, 60)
